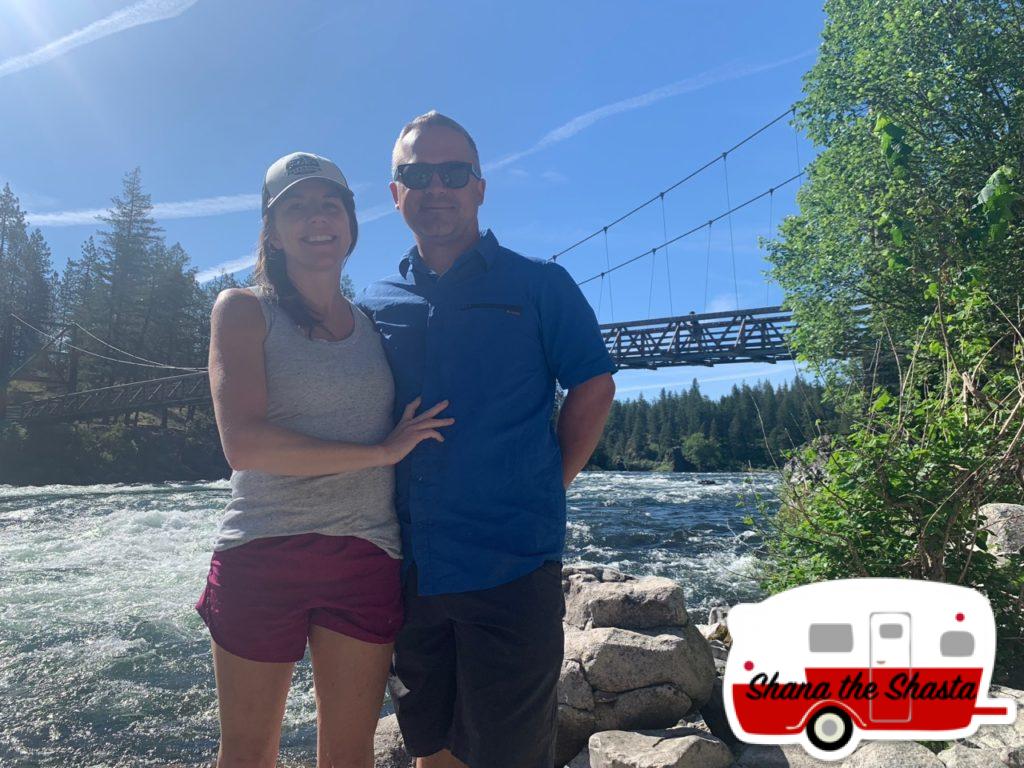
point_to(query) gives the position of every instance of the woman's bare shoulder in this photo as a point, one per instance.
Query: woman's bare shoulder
(238, 307)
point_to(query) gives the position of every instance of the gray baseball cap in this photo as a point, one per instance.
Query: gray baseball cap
(299, 166)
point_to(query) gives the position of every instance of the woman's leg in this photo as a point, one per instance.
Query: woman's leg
(349, 676)
(252, 696)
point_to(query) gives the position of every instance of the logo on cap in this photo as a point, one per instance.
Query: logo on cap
(302, 165)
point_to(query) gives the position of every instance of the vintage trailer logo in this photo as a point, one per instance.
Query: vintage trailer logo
(829, 664)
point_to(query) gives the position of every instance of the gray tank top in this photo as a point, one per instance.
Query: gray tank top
(332, 390)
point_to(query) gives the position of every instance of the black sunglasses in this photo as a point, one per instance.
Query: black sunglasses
(453, 174)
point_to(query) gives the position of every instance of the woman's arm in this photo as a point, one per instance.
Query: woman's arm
(239, 388)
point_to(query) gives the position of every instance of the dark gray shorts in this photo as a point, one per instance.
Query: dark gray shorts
(477, 672)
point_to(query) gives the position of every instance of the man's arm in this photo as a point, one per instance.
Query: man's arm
(581, 422)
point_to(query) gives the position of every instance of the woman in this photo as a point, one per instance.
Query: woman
(309, 545)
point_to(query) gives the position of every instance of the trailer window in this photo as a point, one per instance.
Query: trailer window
(890, 631)
(956, 644)
(831, 638)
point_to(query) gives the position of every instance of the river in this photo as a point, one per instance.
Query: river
(104, 662)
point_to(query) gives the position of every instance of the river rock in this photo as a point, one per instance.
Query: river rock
(959, 756)
(798, 473)
(591, 572)
(888, 754)
(1012, 756)
(573, 688)
(582, 760)
(648, 674)
(388, 747)
(1005, 525)
(1000, 736)
(785, 756)
(718, 614)
(717, 627)
(674, 748)
(628, 603)
(641, 708)
(575, 726)
(617, 660)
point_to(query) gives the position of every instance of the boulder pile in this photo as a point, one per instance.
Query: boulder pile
(633, 659)
(641, 687)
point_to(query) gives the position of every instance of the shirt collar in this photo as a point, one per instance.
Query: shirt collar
(486, 247)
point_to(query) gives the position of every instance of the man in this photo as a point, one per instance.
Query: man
(482, 513)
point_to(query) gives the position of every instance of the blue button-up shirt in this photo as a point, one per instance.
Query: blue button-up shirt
(491, 335)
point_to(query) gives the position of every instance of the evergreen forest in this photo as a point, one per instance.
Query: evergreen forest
(128, 307)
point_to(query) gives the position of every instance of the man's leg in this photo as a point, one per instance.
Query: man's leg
(442, 759)
(422, 681)
(509, 646)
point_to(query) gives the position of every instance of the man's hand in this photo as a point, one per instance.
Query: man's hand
(581, 422)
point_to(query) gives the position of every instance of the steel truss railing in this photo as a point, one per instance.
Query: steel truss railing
(186, 389)
(711, 338)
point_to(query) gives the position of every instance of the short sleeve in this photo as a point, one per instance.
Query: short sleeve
(572, 341)
(362, 303)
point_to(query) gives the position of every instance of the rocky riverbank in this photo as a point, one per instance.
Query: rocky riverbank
(641, 687)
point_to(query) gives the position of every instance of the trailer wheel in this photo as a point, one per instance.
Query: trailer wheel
(830, 729)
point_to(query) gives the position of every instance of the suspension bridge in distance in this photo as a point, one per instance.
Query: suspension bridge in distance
(696, 339)
(708, 339)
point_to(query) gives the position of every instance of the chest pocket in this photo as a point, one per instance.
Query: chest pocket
(497, 338)
(516, 310)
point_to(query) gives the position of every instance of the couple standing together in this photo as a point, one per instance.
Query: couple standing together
(398, 494)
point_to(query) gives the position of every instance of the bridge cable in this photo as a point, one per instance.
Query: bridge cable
(689, 232)
(681, 181)
(104, 357)
(668, 270)
(707, 269)
(608, 263)
(771, 211)
(125, 352)
(650, 293)
(796, 141)
(732, 244)
(10, 376)
(600, 298)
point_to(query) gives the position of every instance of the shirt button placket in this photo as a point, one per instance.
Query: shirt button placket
(427, 474)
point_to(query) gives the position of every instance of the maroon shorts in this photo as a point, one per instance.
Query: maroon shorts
(262, 597)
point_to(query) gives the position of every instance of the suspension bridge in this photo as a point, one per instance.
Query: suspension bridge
(708, 338)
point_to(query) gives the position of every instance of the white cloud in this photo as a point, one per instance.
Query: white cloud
(375, 212)
(230, 267)
(723, 302)
(690, 84)
(248, 261)
(554, 177)
(186, 209)
(145, 12)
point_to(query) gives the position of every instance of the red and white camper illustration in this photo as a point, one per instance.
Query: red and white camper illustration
(829, 664)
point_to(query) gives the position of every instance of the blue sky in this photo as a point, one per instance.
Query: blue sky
(580, 111)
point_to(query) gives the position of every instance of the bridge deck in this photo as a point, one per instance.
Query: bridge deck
(712, 338)
(136, 396)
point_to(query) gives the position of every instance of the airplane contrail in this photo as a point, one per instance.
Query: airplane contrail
(213, 206)
(690, 84)
(145, 12)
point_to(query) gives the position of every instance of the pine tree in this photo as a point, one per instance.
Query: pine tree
(25, 284)
(127, 250)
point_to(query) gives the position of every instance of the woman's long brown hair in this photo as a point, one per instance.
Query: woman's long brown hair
(271, 273)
